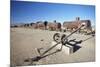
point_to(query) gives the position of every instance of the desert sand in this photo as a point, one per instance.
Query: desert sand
(25, 41)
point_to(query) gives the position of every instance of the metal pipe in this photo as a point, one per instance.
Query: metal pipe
(50, 48)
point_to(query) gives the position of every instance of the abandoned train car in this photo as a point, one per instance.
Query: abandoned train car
(73, 25)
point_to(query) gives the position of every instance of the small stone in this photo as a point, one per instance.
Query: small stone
(42, 40)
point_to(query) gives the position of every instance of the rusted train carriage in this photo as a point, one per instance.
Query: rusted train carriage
(54, 26)
(72, 25)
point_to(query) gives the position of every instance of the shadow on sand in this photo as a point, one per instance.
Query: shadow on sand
(74, 44)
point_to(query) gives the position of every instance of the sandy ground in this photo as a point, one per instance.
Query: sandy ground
(25, 41)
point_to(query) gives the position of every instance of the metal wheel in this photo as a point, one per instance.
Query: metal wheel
(63, 39)
(57, 37)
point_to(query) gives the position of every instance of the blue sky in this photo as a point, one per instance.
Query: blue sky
(27, 12)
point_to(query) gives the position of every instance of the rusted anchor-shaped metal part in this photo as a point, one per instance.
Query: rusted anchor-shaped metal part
(63, 40)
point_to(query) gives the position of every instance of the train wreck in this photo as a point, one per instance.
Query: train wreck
(73, 25)
(57, 26)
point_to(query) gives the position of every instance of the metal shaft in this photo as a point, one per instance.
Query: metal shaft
(50, 48)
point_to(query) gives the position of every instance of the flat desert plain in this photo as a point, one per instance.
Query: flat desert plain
(25, 41)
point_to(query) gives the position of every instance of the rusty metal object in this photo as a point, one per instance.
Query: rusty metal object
(73, 25)
(54, 26)
(59, 39)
